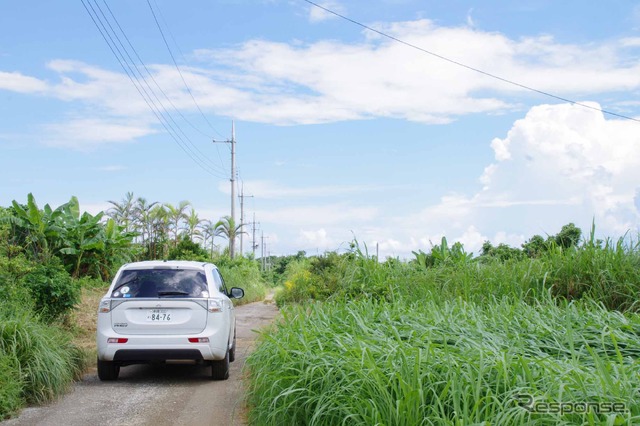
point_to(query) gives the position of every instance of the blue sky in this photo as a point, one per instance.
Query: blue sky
(341, 132)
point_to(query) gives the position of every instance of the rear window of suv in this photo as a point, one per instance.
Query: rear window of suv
(160, 283)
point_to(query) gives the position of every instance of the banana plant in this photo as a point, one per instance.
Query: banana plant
(81, 233)
(39, 227)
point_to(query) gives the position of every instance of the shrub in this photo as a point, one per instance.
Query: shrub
(12, 270)
(53, 291)
(243, 273)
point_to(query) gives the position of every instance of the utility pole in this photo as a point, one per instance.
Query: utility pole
(263, 248)
(242, 197)
(254, 246)
(233, 181)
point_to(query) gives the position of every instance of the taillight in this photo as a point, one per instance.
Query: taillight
(117, 340)
(198, 340)
(215, 305)
(105, 306)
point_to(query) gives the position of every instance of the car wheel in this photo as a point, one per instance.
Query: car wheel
(108, 370)
(232, 351)
(220, 369)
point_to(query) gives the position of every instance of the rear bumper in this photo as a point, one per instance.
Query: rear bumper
(145, 355)
(157, 348)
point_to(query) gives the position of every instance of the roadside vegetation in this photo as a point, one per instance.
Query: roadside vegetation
(546, 334)
(55, 263)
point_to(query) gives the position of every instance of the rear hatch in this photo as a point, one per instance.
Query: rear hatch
(158, 316)
(159, 301)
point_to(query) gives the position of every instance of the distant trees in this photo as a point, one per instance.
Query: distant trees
(84, 243)
(569, 236)
(161, 228)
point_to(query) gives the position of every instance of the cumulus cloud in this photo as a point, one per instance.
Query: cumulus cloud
(316, 239)
(89, 133)
(374, 77)
(20, 83)
(559, 164)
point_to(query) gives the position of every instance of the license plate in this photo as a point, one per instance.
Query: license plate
(158, 315)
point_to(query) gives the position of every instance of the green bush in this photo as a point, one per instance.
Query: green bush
(12, 271)
(53, 291)
(243, 273)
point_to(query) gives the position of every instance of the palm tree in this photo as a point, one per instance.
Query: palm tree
(159, 217)
(142, 212)
(193, 225)
(177, 214)
(123, 212)
(210, 231)
(227, 227)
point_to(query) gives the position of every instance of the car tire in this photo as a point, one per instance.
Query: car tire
(220, 369)
(108, 370)
(232, 351)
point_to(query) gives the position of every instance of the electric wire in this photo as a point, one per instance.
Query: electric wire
(126, 67)
(151, 75)
(213, 165)
(166, 25)
(194, 156)
(488, 74)
(177, 67)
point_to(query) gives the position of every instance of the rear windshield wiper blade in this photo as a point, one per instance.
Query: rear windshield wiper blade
(173, 293)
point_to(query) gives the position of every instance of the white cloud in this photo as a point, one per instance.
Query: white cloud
(329, 80)
(564, 164)
(89, 133)
(559, 164)
(17, 82)
(316, 239)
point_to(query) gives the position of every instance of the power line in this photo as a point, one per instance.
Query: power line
(214, 166)
(164, 21)
(488, 74)
(177, 67)
(109, 39)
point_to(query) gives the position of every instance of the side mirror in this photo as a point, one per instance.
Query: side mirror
(236, 293)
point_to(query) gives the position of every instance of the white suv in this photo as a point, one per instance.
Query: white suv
(167, 310)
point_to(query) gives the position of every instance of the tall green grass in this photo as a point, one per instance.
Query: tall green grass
(606, 272)
(37, 361)
(246, 275)
(453, 362)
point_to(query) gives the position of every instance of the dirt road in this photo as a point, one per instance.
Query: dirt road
(159, 395)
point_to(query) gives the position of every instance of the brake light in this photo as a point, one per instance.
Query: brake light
(198, 340)
(117, 340)
(105, 306)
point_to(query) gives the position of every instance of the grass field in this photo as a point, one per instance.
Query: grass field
(544, 341)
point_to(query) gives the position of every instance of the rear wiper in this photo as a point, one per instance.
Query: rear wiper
(173, 293)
